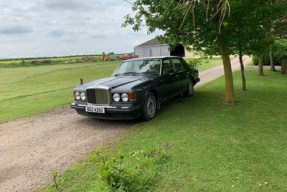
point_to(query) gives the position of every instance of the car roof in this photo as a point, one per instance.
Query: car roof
(147, 58)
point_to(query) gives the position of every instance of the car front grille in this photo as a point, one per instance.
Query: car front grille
(98, 96)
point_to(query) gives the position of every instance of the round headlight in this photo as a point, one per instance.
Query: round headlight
(116, 97)
(83, 96)
(78, 95)
(125, 97)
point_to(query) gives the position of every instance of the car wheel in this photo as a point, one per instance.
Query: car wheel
(149, 107)
(190, 89)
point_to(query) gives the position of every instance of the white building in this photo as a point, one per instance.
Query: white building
(154, 47)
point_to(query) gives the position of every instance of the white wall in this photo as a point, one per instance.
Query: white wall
(152, 51)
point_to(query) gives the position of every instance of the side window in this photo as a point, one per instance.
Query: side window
(178, 65)
(167, 67)
(155, 66)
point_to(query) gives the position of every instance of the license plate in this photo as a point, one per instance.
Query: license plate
(95, 109)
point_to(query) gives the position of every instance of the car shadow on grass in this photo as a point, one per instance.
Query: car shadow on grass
(200, 99)
(194, 101)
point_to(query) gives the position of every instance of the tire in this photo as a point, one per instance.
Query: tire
(149, 107)
(190, 89)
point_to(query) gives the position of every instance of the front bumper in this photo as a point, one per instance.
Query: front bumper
(111, 112)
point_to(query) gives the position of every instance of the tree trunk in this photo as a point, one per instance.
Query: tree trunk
(284, 66)
(243, 79)
(229, 97)
(260, 66)
(272, 64)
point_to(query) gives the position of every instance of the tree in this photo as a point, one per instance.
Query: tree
(252, 32)
(241, 33)
(208, 26)
(280, 53)
(271, 25)
(191, 22)
(246, 29)
(278, 30)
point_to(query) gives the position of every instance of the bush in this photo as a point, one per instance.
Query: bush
(195, 62)
(266, 60)
(279, 53)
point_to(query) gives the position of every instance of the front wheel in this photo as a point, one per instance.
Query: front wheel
(190, 89)
(149, 107)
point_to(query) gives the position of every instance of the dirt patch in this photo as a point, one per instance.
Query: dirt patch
(32, 147)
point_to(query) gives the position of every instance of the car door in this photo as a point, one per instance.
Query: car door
(180, 82)
(167, 79)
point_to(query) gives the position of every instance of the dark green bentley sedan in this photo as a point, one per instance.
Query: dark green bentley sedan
(136, 89)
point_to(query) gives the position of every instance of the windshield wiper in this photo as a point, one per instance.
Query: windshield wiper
(127, 73)
(150, 72)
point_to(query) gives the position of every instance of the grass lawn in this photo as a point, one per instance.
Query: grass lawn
(208, 63)
(199, 144)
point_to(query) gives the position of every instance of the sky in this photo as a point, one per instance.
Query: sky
(43, 28)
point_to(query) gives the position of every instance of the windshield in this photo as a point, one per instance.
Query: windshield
(151, 66)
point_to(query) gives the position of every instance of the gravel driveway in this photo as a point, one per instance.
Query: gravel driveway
(32, 147)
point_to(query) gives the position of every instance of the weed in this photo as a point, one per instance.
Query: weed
(130, 172)
(55, 175)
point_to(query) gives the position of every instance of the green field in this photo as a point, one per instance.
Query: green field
(30, 90)
(26, 62)
(198, 144)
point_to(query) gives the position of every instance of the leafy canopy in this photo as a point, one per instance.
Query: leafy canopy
(198, 23)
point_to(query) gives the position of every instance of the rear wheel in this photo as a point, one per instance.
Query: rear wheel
(190, 89)
(149, 107)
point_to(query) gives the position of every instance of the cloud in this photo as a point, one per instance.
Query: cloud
(65, 27)
(67, 5)
(15, 29)
(57, 33)
(97, 36)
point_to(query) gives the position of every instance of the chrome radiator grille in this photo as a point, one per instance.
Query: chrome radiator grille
(98, 96)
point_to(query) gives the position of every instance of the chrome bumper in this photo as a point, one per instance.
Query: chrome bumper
(107, 107)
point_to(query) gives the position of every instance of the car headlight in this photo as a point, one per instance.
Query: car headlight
(78, 95)
(83, 96)
(116, 97)
(125, 97)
